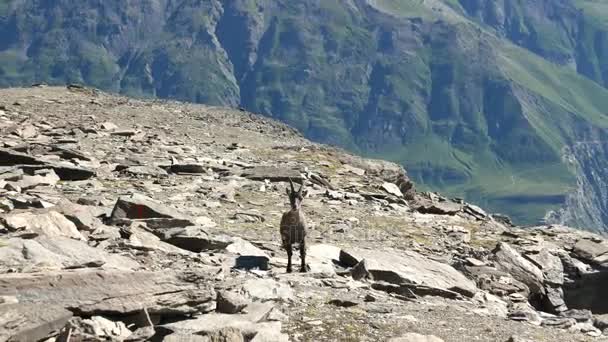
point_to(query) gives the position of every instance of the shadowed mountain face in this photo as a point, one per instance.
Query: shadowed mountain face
(502, 102)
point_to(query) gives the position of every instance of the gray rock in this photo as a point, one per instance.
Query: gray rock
(524, 312)
(48, 223)
(230, 302)
(516, 338)
(580, 315)
(510, 261)
(550, 265)
(196, 239)
(11, 158)
(600, 321)
(440, 208)
(248, 322)
(188, 168)
(144, 170)
(392, 189)
(165, 293)
(272, 173)
(42, 177)
(360, 271)
(84, 217)
(31, 321)
(588, 250)
(139, 206)
(267, 289)
(407, 267)
(98, 327)
(414, 337)
(249, 256)
(52, 253)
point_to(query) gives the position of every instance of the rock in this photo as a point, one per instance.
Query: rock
(141, 239)
(272, 173)
(195, 239)
(580, 315)
(550, 265)
(360, 271)
(84, 217)
(66, 171)
(554, 299)
(509, 260)
(139, 206)
(440, 208)
(408, 267)
(559, 322)
(45, 253)
(414, 337)
(11, 158)
(344, 303)
(524, 312)
(392, 189)
(324, 252)
(99, 327)
(125, 132)
(188, 168)
(108, 126)
(230, 302)
(186, 337)
(247, 323)
(270, 332)
(31, 321)
(516, 338)
(250, 257)
(143, 170)
(49, 223)
(475, 211)
(267, 289)
(165, 293)
(46, 177)
(588, 250)
(600, 321)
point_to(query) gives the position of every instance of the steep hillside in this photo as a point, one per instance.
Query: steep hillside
(485, 100)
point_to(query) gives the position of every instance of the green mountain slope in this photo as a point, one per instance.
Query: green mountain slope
(480, 99)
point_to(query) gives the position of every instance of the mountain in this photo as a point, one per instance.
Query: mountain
(501, 102)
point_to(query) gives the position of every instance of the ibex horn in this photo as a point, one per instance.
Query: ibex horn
(291, 184)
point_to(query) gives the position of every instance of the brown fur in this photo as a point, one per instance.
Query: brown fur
(293, 227)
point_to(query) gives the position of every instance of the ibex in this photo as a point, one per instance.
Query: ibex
(293, 226)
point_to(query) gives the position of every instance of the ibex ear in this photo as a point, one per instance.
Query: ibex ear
(287, 191)
(304, 193)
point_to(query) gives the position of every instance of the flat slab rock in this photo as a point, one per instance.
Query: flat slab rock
(272, 173)
(407, 267)
(55, 253)
(139, 206)
(31, 322)
(97, 292)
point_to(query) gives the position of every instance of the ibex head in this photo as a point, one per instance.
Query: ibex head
(296, 197)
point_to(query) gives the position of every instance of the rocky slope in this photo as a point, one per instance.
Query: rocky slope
(478, 99)
(134, 220)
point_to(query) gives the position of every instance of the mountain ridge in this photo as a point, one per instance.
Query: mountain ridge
(474, 100)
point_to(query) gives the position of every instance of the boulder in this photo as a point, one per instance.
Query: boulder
(392, 189)
(143, 170)
(550, 265)
(248, 323)
(440, 208)
(31, 321)
(188, 168)
(139, 206)
(48, 223)
(94, 292)
(98, 327)
(249, 256)
(9, 158)
(53, 253)
(508, 260)
(588, 250)
(195, 239)
(408, 267)
(272, 173)
(84, 217)
(230, 302)
(43, 177)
